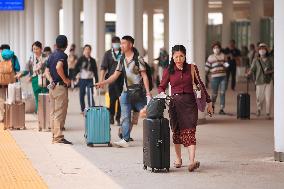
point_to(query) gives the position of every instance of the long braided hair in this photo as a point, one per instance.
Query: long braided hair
(172, 63)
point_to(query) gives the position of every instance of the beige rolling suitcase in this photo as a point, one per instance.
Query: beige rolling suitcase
(43, 112)
(14, 116)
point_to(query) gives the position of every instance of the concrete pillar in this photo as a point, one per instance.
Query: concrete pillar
(101, 31)
(17, 33)
(200, 16)
(39, 21)
(51, 21)
(279, 80)
(29, 10)
(256, 13)
(194, 26)
(2, 29)
(11, 30)
(5, 26)
(14, 31)
(6, 34)
(166, 24)
(150, 50)
(228, 16)
(130, 20)
(71, 17)
(181, 26)
(94, 26)
(22, 38)
(138, 25)
(77, 24)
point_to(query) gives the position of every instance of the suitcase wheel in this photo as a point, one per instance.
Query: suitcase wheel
(167, 169)
(109, 144)
(90, 145)
(145, 167)
(153, 170)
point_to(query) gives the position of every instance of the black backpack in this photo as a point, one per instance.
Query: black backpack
(148, 72)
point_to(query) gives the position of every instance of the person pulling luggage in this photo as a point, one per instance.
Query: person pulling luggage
(183, 109)
(262, 69)
(134, 70)
(85, 70)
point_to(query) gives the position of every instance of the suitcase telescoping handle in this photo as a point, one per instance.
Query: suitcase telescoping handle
(91, 96)
(247, 85)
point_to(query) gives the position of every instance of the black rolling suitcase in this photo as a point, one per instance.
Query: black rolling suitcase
(243, 104)
(156, 144)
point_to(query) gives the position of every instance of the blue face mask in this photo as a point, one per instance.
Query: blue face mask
(116, 45)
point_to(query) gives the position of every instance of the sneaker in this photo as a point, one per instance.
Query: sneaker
(221, 112)
(63, 141)
(122, 143)
(131, 139)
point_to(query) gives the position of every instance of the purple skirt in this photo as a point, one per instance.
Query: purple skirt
(183, 112)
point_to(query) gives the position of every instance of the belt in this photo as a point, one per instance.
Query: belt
(176, 94)
(60, 83)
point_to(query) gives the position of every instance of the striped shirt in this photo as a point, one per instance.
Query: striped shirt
(216, 64)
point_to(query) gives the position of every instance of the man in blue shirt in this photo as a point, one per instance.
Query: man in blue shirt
(57, 73)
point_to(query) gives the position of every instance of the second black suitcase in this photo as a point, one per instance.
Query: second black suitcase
(156, 144)
(243, 106)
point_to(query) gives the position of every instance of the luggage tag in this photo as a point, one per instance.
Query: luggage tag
(198, 93)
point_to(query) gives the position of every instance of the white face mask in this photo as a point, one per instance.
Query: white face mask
(262, 52)
(216, 50)
(116, 45)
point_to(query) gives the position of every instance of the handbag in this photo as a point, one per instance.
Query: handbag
(155, 108)
(136, 92)
(198, 90)
(267, 77)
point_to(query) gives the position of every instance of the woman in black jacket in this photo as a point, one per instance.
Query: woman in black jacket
(86, 70)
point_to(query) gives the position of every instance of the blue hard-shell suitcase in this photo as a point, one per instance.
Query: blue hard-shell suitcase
(97, 125)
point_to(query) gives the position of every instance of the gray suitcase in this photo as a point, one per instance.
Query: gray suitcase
(43, 112)
(14, 116)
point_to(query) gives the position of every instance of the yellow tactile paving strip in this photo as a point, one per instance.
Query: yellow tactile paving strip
(16, 171)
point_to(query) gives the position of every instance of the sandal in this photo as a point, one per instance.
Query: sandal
(178, 165)
(193, 166)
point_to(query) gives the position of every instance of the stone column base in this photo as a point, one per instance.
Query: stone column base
(279, 156)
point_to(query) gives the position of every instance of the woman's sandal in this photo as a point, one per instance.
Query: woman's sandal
(178, 165)
(193, 166)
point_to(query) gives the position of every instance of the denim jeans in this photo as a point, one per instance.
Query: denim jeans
(217, 82)
(126, 108)
(86, 84)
